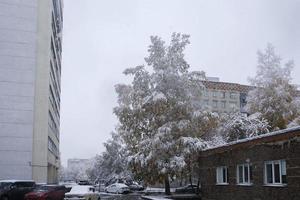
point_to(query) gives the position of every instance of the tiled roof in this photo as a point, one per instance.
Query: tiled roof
(227, 86)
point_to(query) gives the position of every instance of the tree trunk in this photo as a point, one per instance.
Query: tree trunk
(167, 185)
(198, 184)
(181, 179)
(190, 175)
(191, 182)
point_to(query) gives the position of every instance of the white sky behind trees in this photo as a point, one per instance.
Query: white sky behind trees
(102, 38)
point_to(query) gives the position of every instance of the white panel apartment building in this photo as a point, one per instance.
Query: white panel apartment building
(30, 71)
(224, 97)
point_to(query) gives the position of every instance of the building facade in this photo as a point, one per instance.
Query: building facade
(30, 71)
(77, 163)
(224, 97)
(265, 167)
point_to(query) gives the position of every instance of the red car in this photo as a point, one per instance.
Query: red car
(47, 192)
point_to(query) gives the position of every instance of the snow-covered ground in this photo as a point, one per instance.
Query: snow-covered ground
(155, 197)
(157, 190)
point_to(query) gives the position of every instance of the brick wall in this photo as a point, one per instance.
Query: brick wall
(256, 154)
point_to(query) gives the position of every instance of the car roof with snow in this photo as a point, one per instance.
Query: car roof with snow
(120, 184)
(80, 189)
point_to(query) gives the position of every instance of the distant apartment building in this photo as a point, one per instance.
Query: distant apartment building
(76, 163)
(224, 97)
(30, 71)
(77, 169)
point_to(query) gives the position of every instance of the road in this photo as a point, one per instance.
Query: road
(132, 196)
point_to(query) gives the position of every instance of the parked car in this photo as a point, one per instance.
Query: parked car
(100, 187)
(47, 192)
(136, 187)
(15, 189)
(68, 185)
(82, 192)
(83, 182)
(188, 189)
(118, 188)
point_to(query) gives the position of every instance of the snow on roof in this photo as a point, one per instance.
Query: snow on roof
(270, 134)
(14, 181)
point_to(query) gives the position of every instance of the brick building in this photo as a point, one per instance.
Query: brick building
(266, 167)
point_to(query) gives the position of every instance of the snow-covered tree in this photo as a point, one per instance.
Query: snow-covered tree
(62, 173)
(274, 97)
(295, 122)
(76, 172)
(112, 163)
(238, 126)
(94, 172)
(156, 110)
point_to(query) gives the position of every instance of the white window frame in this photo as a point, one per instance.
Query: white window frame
(248, 165)
(273, 162)
(233, 105)
(223, 94)
(220, 177)
(215, 94)
(233, 95)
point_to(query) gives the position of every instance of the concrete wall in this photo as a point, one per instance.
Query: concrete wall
(40, 134)
(25, 55)
(256, 155)
(17, 76)
(45, 157)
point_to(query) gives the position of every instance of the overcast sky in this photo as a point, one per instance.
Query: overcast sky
(102, 38)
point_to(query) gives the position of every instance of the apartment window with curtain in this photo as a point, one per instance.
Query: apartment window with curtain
(275, 172)
(222, 175)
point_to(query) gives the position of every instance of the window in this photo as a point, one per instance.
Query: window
(205, 92)
(233, 106)
(223, 104)
(24, 184)
(244, 174)
(52, 147)
(215, 104)
(53, 125)
(275, 172)
(233, 95)
(222, 176)
(222, 95)
(215, 93)
(206, 102)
